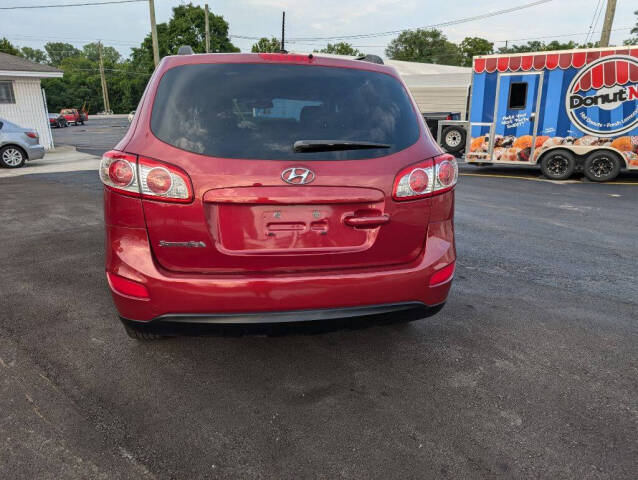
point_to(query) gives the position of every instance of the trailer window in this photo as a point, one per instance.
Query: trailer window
(517, 96)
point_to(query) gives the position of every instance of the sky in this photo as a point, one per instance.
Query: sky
(124, 26)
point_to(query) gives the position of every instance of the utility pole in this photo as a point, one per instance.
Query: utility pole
(283, 32)
(105, 92)
(151, 6)
(207, 30)
(609, 20)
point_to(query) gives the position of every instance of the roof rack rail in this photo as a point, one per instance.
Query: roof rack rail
(185, 50)
(371, 58)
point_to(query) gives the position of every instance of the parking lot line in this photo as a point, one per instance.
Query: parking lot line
(541, 179)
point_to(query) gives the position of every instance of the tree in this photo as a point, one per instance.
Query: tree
(109, 54)
(58, 51)
(7, 47)
(538, 46)
(341, 48)
(265, 45)
(633, 40)
(186, 27)
(34, 54)
(427, 46)
(125, 78)
(473, 46)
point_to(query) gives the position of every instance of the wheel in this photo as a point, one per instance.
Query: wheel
(558, 165)
(453, 139)
(602, 166)
(142, 335)
(59, 123)
(12, 157)
(64, 123)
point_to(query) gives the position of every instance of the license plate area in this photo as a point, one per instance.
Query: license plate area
(289, 229)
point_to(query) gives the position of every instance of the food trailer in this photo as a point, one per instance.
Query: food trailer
(573, 110)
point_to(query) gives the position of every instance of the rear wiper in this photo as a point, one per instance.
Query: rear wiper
(334, 145)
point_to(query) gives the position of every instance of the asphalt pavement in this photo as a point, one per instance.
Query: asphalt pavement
(98, 135)
(530, 370)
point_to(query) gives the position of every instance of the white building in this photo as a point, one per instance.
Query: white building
(21, 97)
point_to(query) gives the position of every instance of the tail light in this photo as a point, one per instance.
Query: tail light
(427, 178)
(146, 178)
(442, 275)
(124, 286)
(31, 134)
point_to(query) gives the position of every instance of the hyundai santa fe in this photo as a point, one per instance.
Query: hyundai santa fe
(268, 188)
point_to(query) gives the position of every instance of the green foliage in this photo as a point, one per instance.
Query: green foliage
(633, 40)
(109, 54)
(7, 47)
(58, 51)
(426, 46)
(34, 54)
(473, 46)
(266, 46)
(127, 78)
(341, 48)
(538, 46)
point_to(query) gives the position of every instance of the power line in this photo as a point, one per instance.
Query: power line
(591, 25)
(73, 69)
(109, 2)
(596, 20)
(394, 32)
(558, 36)
(495, 41)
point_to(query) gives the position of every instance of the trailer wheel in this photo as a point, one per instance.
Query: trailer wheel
(602, 166)
(558, 165)
(453, 139)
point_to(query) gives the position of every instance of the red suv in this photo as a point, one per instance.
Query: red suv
(265, 188)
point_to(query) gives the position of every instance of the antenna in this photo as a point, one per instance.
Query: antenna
(283, 32)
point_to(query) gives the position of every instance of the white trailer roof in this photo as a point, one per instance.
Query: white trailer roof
(416, 74)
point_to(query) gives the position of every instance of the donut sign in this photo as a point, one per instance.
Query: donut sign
(601, 100)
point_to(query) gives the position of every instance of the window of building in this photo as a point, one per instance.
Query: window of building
(6, 92)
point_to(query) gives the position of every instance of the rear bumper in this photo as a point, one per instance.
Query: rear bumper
(179, 298)
(407, 311)
(35, 152)
(271, 297)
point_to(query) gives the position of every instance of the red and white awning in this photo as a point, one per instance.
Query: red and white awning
(608, 74)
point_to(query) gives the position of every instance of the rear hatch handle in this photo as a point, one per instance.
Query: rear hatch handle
(366, 221)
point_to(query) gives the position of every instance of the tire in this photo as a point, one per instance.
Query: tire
(558, 165)
(453, 139)
(64, 123)
(602, 166)
(12, 157)
(141, 335)
(58, 124)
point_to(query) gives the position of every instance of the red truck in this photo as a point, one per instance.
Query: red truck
(74, 116)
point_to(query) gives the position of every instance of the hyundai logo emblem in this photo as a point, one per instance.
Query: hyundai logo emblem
(298, 175)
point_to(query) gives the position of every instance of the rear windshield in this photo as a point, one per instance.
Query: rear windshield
(259, 111)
